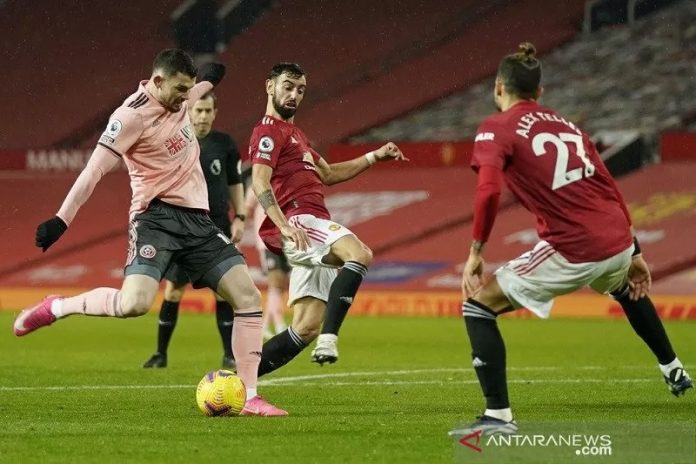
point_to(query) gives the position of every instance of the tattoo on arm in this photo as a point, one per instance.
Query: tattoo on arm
(266, 199)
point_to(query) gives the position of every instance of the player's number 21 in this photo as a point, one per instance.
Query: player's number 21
(562, 141)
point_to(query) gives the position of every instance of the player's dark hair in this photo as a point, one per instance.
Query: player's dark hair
(174, 60)
(293, 70)
(212, 95)
(521, 72)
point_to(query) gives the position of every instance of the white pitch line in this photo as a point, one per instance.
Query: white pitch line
(300, 380)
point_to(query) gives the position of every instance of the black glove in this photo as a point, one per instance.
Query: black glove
(212, 72)
(49, 232)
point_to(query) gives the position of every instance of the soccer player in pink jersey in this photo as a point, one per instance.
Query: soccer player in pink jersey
(587, 240)
(169, 222)
(288, 177)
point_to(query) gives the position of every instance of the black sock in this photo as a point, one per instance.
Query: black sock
(225, 318)
(488, 353)
(647, 324)
(341, 295)
(280, 350)
(167, 323)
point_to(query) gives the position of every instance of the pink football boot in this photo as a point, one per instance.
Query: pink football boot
(34, 318)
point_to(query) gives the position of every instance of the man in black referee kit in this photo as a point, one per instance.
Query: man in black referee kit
(221, 166)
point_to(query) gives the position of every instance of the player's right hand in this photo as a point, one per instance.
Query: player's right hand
(639, 279)
(297, 235)
(472, 275)
(49, 232)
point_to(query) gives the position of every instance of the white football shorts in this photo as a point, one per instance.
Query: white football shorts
(310, 276)
(534, 279)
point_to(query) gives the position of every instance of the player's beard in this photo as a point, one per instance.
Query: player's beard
(284, 112)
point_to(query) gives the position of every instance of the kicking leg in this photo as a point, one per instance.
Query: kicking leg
(134, 299)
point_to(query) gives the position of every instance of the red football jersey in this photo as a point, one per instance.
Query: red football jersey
(555, 171)
(295, 181)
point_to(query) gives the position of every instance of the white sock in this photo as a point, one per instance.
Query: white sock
(667, 368)
(251, 392)
(502, 414)
(327, 338)
(57, 307)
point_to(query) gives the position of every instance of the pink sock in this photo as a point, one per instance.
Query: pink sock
(246, 345)
(274, 308)
(98, 302)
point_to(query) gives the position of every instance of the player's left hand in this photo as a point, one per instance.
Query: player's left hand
(389, 152)
(237, 231)
(472, 275)
(639, 279)
(212, 72)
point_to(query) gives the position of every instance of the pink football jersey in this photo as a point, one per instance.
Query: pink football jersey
(159, 149)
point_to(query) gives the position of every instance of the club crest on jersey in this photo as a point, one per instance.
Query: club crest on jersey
(266, 144)
(175, 144)
(147, 251)
(216, 167)
(188, 133)
(114, 127)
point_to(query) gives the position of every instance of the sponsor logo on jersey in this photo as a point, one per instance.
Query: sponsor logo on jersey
(334, 227)
(147, 251)
(262, 155)
(484, 136)
(175, 144)
(266, 144)
(216, 167)
(114, 127)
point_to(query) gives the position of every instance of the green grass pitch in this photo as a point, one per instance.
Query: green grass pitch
(75, 392)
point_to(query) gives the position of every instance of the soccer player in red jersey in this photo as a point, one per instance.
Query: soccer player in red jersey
(169, 222)
(288, 177)
(587, 240)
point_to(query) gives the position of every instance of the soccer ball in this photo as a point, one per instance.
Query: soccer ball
(221, 393)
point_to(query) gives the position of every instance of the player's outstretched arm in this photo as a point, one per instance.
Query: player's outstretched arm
(261, 183)
(335, 173)
(100, 163)
(209, 76)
